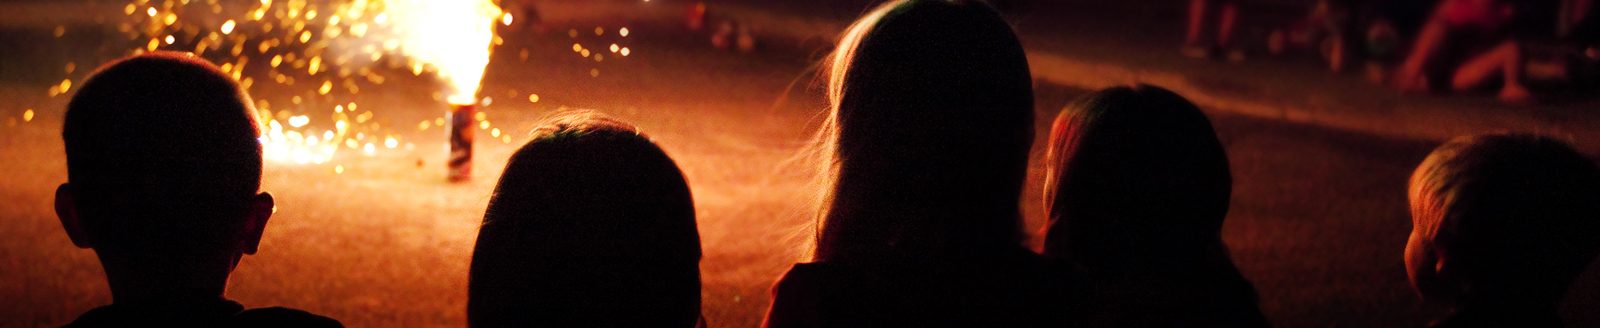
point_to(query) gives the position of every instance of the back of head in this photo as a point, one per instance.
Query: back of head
(1502, 216)
(162, 155)
(591, 224)
(1135, 173)
(930, 130)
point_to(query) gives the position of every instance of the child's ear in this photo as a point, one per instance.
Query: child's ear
(255, 222)
(67, 211)
(1422, 266)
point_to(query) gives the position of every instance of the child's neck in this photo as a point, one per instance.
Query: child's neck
(145, 283)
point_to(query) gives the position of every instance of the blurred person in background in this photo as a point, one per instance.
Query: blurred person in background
(1225, 15)
(1472, 44)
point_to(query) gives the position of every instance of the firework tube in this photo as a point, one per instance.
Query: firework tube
(460, 163)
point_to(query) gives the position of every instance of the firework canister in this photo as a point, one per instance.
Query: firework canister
(460, 162)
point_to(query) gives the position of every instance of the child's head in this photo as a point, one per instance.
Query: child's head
(1512, 217)
(163, 166)
(590, 220)
(1134, 171)
(929, 134)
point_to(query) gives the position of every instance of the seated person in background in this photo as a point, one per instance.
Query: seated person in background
(1226, 13)
(1501, 226)
(1327, 30)
(1467, 45)
(1384, 26)
(163, 170)
(926, 153)
(1137, 186)
(591, 225)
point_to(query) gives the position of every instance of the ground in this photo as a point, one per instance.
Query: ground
(1317, 222)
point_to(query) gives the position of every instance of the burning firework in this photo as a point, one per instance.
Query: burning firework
(326, 51)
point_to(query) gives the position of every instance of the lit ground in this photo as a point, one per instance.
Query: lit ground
(1318, 217)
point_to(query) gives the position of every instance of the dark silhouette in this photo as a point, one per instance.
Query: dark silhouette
(1502, 225)
(1137, 188)
(591, 225)
(163, 169)
(927, 148)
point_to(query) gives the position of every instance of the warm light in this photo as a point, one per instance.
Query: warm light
(27, 115)
(533, 98)
(453, 36)
(623, 32)
(299, 121)
(625, 51)
(227, 27)
(506, 19)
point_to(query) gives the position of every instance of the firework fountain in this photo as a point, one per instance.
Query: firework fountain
(326, 51)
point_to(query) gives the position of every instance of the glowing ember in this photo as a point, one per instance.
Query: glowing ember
(323, 53)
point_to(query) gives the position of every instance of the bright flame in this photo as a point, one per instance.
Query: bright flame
(454, 37)
(323, 50)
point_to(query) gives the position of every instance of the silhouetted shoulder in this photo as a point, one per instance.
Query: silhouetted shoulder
(1014, 291)
(1199, 300)
(209, 314)
(282, 317)
(218, 314)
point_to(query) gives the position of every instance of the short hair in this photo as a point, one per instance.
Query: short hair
(162, 151)
(1138, 165)
(929, 133)
(1510, 212)
(591, 222)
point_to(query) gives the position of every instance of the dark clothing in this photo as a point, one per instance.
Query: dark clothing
(222, 313)
(1018, 290)
(1407, 16)
(1536, 19)
(1586, 32)
(1500, 315)
(1207, 297)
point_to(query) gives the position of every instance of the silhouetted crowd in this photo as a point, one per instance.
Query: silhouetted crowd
(924, 153)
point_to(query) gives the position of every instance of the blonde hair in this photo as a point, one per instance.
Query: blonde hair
(1513, 213)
